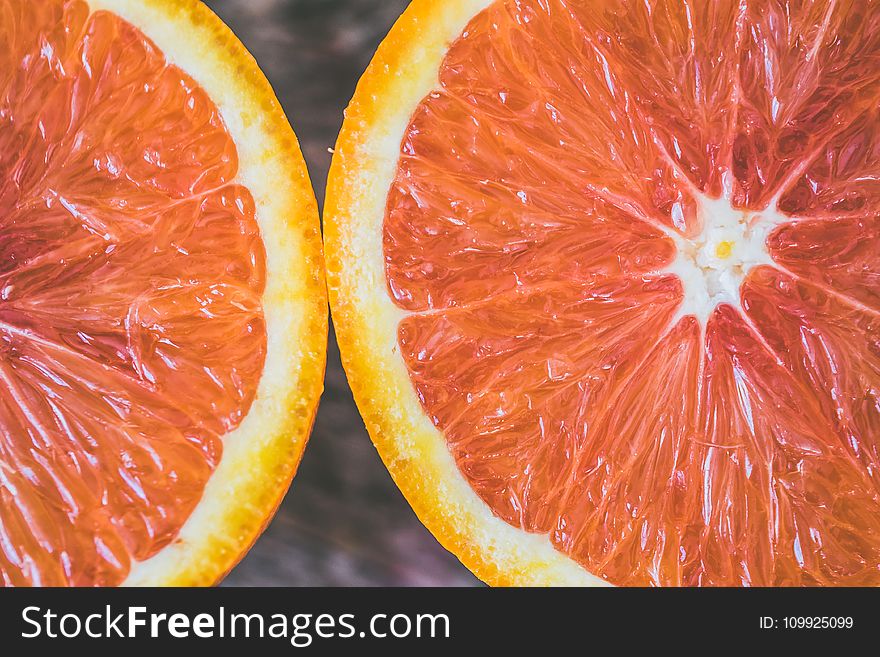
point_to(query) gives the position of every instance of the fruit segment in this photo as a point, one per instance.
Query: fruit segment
(572, 156)
(132, 335)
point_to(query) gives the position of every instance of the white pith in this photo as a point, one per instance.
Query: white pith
(709, 276)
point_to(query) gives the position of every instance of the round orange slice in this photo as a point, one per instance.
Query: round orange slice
(606, 280)
(162, 302)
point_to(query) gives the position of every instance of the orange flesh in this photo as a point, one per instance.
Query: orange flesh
(131, 272)
(525, 236)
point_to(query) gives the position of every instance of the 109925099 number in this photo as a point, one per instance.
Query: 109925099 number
(817, 622)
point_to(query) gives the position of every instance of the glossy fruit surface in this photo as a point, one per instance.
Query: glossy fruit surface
(133, 285)
(630, 256)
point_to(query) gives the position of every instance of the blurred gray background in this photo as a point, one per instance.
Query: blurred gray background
(343, 523)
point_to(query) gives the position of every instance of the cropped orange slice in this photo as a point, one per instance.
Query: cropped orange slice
(606, 281)
(162, 303)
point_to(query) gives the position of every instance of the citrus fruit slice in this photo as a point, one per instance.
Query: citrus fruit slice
(162, 304)
(606, 282)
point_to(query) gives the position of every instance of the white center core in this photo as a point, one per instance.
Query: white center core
(713, 265)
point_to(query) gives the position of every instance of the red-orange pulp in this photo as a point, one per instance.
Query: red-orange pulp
(527, 233)
(131, 273)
